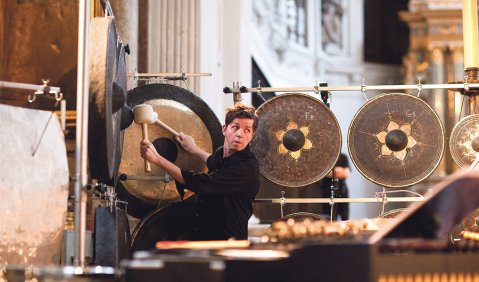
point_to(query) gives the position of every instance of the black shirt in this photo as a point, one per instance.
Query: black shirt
(225, 195)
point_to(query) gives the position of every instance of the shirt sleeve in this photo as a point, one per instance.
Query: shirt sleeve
(236, 178)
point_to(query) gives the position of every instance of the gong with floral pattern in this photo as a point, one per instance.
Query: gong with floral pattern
(298, 140)
(396, 140)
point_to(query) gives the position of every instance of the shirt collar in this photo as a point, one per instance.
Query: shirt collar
(245, 153)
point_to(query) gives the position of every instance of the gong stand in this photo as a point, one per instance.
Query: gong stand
(363, 88)
(166, 179)
(471, 77)
(383, 195)
(81, 147)
(335, 182)
(43, 89)
(381, 199)
(166, 75)
(237, 92)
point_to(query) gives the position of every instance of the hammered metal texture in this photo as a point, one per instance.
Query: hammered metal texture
(103, 126)
(33, 185)
(184, 112)
(120, 78)
(460, 141)
(383, 114)
(321, 131)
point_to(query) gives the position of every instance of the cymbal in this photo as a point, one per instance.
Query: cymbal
(396, 140)
(464, 141)
(298, 140)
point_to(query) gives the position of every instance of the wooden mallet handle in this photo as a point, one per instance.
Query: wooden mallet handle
(167, 128)
(143, 114)
(144, 133)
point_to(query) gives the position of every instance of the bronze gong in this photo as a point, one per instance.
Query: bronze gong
(33, 185)
(464, 141)
(183, 111)
(396, 140)
(298, 140)
(104, 104)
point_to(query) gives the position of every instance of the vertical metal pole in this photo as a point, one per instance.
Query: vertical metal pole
(81, 147)
(237, 97)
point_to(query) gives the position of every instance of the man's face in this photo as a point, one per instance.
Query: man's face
(237, 134)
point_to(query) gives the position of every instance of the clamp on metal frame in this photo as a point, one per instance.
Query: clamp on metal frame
(419, 86)
(363, 89)
(466, 84)
(44, 91)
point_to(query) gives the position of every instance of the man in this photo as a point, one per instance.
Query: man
(341, 172)
(226, 192)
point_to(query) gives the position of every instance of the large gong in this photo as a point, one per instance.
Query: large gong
(464, 141)
(183, 111)
(298, 140)
(396, 140)
(106, 65)
(33, 185)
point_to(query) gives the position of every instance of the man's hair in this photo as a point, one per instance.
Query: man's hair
(241, 111)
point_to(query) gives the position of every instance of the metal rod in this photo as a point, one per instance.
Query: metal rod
(364, 87)
(81, 145)
(25, 86)
(126, 177)
(167, 74)
(337, 200)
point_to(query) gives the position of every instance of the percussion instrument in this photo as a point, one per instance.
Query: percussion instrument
(34, 183)
(170, 223)
(183, 111)
(396, 140)
(298, 140)
(464, 141)
(107, 66)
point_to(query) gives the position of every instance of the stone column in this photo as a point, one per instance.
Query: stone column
(173, 39)
(438, 97)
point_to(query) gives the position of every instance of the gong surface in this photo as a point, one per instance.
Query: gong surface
(298, 140)
(464, 141)
(183, 111)
(33, 185)
(120, 79)
(104, 121)
(396, 140)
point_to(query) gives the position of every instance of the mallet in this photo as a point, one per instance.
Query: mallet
(143, 115)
